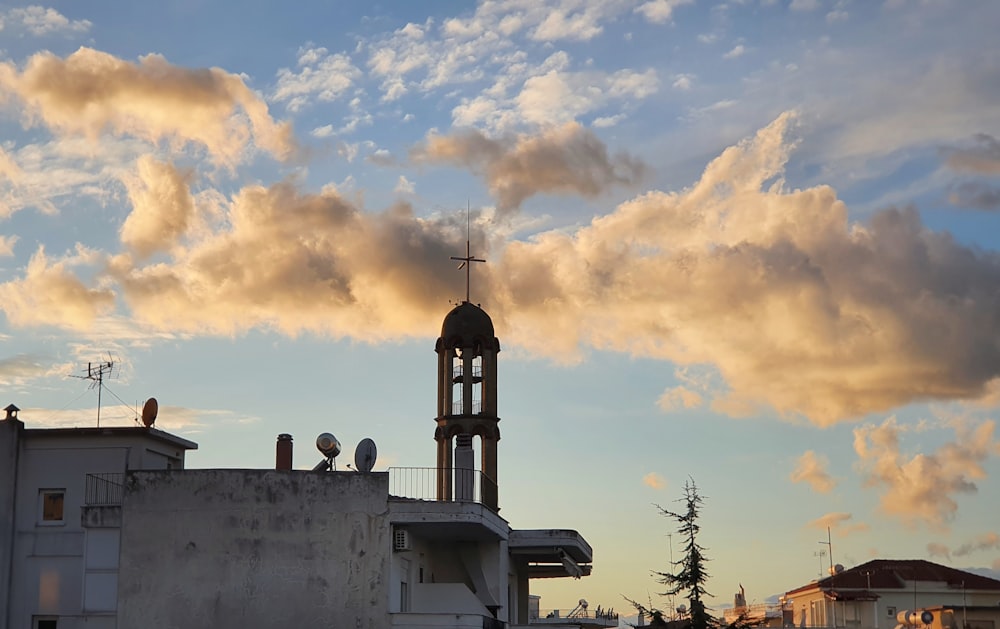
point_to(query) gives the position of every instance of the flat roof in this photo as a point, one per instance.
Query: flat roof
(112, 431)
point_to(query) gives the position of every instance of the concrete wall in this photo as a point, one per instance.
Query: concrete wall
(254, 548)
(10, 432)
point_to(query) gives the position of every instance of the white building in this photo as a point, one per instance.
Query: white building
(60, 513)
(885, 593)
(407, 548)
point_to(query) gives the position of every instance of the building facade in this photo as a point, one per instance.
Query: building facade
(886, 593)
(60, 496)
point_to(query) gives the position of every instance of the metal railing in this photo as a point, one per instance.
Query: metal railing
(420, 483)
(457, 408)
(104, 490)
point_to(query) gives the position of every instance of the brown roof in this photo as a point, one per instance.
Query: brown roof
(893, 574)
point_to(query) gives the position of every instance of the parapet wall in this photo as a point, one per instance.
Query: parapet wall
(254, 548)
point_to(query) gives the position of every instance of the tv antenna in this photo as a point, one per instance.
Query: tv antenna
(468, 259)
(97, 373)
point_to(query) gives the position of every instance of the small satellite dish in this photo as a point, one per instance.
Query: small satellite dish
(328, 445)
(364, 455)
(149, 410)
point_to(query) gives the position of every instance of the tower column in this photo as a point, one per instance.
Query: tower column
(488, 458)
(444, 468)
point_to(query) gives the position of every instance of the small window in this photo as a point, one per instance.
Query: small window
(51, 508)
(46, 623)
(890, 612)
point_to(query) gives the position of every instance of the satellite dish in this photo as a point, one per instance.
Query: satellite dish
(328, 445)
(364, 455)
(149, 410)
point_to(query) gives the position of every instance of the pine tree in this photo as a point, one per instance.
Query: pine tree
(691, 575)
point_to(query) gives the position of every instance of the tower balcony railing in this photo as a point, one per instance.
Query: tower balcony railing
(420, 483)
(458, 408)
(458, 372)
(103, 490)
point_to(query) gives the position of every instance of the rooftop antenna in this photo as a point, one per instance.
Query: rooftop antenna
(96, 373)
(468, 259)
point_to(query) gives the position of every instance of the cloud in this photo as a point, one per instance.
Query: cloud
(40, 21)
(790, 306)
(935, 549)
(404, 186)
(564, 160)
(162, 207)
(839, 524)
(321, 76)
(679, 397)
(654, 481)
(50, 294)
(660, 11)
(168, 418)
(91, 92)
(986, 541)
(811, 469)
(735, 51)
(982, 158)
(7, 245)
(923, 488)
(975, 194)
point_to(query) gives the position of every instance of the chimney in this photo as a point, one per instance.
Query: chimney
(283, 452)
(11, 412)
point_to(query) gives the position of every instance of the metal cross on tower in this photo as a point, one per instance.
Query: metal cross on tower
(468, 259)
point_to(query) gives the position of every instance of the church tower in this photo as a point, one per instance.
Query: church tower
(467, 402)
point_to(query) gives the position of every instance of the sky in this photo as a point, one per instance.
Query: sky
(752, 244)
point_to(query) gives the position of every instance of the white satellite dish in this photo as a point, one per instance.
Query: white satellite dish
(364, 455)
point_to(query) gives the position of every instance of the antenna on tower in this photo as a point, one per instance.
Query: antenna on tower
(468, 259)
(97, 373)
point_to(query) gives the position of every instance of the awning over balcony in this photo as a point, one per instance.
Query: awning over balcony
(552, 553)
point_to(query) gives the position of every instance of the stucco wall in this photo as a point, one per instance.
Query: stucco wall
(254, 548)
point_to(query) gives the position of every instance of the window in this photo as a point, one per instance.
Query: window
(890, 612)
(50, 507)
(45, 623)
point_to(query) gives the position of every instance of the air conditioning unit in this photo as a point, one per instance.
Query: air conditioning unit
(400, 539)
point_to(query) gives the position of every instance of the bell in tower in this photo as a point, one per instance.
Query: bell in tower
(467, 406)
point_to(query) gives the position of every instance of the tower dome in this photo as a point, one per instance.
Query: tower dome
(466, 324)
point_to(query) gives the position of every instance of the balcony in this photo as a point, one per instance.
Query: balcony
(104, 490)
(420, 483)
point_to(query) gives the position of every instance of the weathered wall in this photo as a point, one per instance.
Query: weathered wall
(10, 432)
(254, 548)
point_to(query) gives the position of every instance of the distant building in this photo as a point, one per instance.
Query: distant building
(60, 518)
(888, 593)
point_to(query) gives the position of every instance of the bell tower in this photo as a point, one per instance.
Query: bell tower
(467, 401)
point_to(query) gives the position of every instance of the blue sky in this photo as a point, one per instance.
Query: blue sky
(749, 242)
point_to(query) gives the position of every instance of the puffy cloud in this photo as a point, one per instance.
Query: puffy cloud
(660, 11)
(786, 302)
(39, 21)
(654, 481)
(839, 523)
(923, 487)
(321, 75)
(300, 262)
(811, 468)
(797, 308)
(92, 92)
(51, 294)
(162, 207)
(735, 51)
(564, 160)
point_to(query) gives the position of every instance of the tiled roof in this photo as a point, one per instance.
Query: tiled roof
(893, 574)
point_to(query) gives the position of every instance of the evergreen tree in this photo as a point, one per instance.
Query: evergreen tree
(689, 576)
